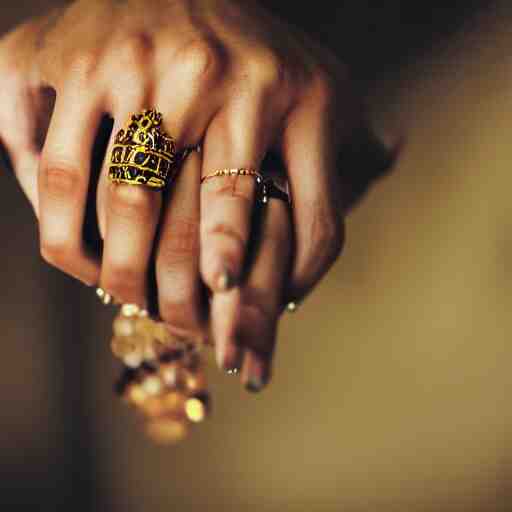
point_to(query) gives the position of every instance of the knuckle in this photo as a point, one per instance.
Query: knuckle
(85, 63)
(182, 245)
(58, 253)
(269, 71)
(229, 232)
(259, 311)
(61, 181)
(131, 202)
(180, 309)
(325, 87)
(328, 238)
(135, 50)
(123, 282)
(201, 60)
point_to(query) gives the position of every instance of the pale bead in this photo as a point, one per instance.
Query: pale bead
(133, 360)
(144, 326)
(152, 385)
(170, 374)
(195, 409)
(130, 310)
(136, 394)
(124, 326)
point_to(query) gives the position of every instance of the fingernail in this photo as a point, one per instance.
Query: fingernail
(233, 363)
(229, 357)
(255, 384)
(226, 281)
(258, 375)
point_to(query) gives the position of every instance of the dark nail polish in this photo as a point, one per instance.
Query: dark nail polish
(254, 384)
(226, 281)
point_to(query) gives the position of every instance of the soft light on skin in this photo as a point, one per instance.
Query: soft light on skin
(195, 409)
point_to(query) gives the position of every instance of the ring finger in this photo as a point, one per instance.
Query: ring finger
(130, 221)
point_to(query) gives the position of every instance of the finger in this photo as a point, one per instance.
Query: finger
(310, 148)
(177, 254)
(131, 217)
(237, 138)
(183, 85)
(21, 151)
(245, 319)
(63, 182)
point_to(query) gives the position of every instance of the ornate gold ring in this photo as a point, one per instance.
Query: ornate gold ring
(143, 154)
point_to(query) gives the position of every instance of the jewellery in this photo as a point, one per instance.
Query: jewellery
(143, 154)
(233, 172)
(292, 307)
(269, 190)
(162, 376)
(105, 297)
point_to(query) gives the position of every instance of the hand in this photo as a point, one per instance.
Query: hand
(224, 74)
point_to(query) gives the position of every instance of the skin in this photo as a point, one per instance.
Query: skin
(227, 75)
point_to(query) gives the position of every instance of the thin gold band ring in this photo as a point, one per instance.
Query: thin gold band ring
(233, 172)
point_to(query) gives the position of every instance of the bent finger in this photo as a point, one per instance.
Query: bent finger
(63, 182)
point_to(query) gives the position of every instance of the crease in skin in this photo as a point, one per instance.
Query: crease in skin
(183, 243)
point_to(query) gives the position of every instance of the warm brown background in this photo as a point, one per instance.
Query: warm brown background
(391, 384)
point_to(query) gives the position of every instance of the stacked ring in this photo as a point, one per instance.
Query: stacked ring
(233, 172)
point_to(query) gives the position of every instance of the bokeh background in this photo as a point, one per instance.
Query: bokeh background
(392, 384)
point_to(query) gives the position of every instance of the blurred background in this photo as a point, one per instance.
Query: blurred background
(391, 383)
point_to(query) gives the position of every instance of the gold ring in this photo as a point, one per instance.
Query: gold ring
(233, 172)
(143, 154)
(104, 297)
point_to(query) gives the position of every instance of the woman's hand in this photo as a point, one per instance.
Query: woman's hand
(226, 75)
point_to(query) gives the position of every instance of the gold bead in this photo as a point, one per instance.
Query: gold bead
(195, 410)
(167, 430)
(174, 403)
(162, 334)
(124, 326)
(195, 382)
(152, 406)
(130, 310)
(152, 385)
(123, 346)
(292, 307)
(149, 351)
(105, 297)
(170, 374)
(144, 326)
(135, 394)
(133, 360)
